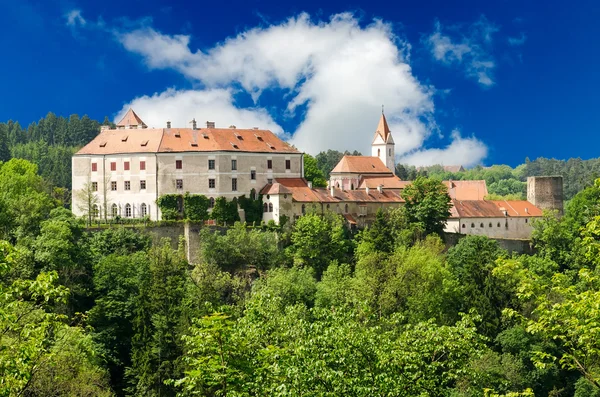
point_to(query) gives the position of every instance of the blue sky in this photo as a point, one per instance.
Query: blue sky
(486, 82)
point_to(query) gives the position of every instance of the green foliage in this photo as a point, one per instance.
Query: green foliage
(312, 172)
(240, 248)
(253, 209)
(119, 241)
(428, 203)
(225, 212)
(326, 161)
(290, 286)
(169, 205)
(195, 207)
(317, 240)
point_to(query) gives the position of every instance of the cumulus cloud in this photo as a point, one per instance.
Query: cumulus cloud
(180, 106)
(334, 74)
(464, 151)
(470, 50)
(74, 18)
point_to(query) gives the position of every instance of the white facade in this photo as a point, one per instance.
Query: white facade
(385, 151)
(496, 227)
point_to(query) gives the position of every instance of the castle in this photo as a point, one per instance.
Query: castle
(128, 168)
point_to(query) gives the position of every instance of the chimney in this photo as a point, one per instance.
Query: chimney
(232, 126)
(194, 125)
(331, 191)
(367, 190)
(526, 210)
(380, 188)
(310, 184)
(210, 124)
(168, 124)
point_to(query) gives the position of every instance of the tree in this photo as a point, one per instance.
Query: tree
(225, 212)
(318, 240)
(312, 172)
(428, 203)
(89, 202)
(195, 207)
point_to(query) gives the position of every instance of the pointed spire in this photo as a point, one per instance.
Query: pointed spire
(382, 127)
(131, 119)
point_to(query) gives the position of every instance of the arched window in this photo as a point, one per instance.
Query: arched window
(212, 202)
(253, 194)
(114, 210)
(472, 225)
(378, 152)
(463, 225)
(490, 225)
(337, 185)
(346, 208)
(526, 220)
(95, 211)
(144, 209)
(390, 152)
(270, 207)
(498, 224)
(327, 206)
(352, 186)
(481, 224)
(265, 207)
(128, 210)
(303, 209)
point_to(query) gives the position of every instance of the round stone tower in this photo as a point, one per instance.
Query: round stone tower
(546, 192)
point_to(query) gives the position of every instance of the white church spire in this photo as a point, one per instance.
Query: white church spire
(383, 145)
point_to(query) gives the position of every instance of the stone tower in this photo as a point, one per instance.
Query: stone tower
(383, 145)
(546, 192)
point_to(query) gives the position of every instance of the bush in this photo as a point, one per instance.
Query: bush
(195, 207)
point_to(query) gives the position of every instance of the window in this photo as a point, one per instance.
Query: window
(179, 183)
(346, 208)
(211, 202)
(490, 225)
(270, 181)
(378, 152)
(498, 224)
(233, 165)
(266, 207)
(114, 210)
(472, 225)
(211, 164)
(94, 167)
(127, 185)
(142, 165)
(126, 165)
(178, 164)
(525, 220)
(234, 184)
(113, 166)
(463, 225)
(142, 184)
(144, 209)
(253, 175)
(95, 186)
(113, 186)
(303, 209)
(390, 152)
(270, 164)
(95, 211)
(288, 164)
(481, 224)
(327, 206)
(270, 207)
(211, 183)
(128, 210)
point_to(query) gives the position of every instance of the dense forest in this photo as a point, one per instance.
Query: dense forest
(307, 309)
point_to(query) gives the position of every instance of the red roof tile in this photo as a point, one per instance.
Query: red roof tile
(388, 182)
(493, 209)
(361, 165)
(275, 188)
(383, 130)
(131, 118)
(467, 190)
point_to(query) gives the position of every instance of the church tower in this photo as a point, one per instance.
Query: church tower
(383, 144)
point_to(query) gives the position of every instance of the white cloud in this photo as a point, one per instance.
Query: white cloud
(337, 73)
(517, 41)
(463, 151)
(74, 18)
(180, 106)
(470, 50)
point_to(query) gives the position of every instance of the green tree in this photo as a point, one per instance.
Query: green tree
(428, 203)
(225, 212)
(312, 172)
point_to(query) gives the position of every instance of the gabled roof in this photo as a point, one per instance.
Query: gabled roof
(467, 190)
(383, 130)
(361, 165)
(158, 140)
(275, 188)
(493, 209)
(130, 119)
(453, 168)
(388, 182)
(302, 193)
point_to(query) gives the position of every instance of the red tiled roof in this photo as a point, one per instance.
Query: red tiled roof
(186, 140)
(361, 165)
(350, 219)
(453, 168)
(467, 190)
(131, 118)
(302, 193)
(388, 182)
(383, 130)
(275, 188)
(493, 209)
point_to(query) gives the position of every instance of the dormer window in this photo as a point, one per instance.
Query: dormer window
(124, 139)
(102, 144)
(204, 136)
(258, 137)
(144, 143)
(234, 145)
(194, 144)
